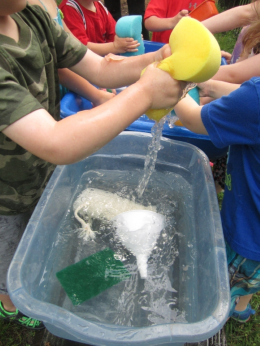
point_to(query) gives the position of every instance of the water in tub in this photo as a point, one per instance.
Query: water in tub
(159, 298)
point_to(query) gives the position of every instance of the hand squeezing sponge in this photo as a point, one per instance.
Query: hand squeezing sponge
(196, 56)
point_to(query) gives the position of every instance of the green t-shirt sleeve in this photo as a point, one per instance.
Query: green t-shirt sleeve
(68, 48)
(15, 100)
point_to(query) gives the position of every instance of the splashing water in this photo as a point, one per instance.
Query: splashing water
(138, 231)
(153, 148)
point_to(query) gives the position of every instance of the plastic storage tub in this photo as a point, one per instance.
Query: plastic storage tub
(196, 283)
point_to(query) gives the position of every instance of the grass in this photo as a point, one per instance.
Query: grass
(14, 335)
(227, 40)
(245, 334)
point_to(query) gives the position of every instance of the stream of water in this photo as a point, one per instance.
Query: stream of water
(153, 148)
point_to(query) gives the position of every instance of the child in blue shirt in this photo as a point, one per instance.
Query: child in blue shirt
(234, 120)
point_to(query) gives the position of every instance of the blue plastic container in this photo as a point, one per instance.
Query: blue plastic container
(150, 46)
(73, 103)
(196, 283)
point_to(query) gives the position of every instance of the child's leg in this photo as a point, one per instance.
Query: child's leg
(11, 231)
(243, 302)
(7, 303)
(244, 275)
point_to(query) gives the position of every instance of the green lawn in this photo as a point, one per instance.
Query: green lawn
(14, 335)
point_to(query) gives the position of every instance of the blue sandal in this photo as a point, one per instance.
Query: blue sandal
(19, 318)
(243, 316)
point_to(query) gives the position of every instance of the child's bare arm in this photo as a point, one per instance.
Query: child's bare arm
(80, 135)
(216, 89)
(234, 18)
(109, 73)
(82, 87)
(189, 113)
(154, 23)
(239, 72)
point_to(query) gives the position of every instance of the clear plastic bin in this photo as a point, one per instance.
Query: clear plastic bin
(197, 285)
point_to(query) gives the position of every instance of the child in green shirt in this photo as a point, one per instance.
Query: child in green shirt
(32, 139)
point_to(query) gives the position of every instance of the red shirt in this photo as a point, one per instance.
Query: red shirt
(88, 26)
(167, 9)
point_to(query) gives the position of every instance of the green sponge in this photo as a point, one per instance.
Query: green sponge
(92, 275)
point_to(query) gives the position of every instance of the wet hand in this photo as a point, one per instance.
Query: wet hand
(163, 91)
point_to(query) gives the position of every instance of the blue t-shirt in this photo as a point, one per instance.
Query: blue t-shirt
(234, 120)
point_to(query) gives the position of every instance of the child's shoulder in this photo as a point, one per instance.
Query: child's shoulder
(256, 80)
(101, 7)
(252, 83)
(31, 12)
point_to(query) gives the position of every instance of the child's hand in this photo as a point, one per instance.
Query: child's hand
(204, 89)
(205, 93)
(182, 13)
(162, 90)
(175, 20)
(126, 44)
(226, 55)
(103, 96)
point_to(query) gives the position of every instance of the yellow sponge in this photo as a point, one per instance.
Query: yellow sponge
(196, 56)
